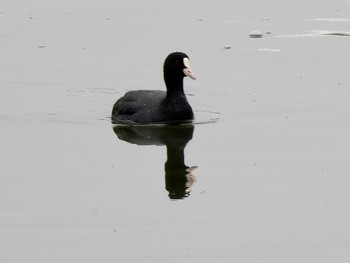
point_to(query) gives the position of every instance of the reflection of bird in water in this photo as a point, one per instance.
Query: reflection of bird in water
(178, 177)
(179, 181)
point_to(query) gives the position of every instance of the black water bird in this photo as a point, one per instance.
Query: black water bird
(157, 106)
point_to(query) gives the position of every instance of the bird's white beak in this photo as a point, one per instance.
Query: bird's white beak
(187, 70)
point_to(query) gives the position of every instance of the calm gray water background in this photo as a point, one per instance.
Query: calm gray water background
(272, 183)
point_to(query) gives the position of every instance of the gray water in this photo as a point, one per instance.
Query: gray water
(267, 182)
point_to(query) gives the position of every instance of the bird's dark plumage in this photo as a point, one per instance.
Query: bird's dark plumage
(156, 106)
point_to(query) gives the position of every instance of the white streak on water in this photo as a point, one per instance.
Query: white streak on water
(329, 19)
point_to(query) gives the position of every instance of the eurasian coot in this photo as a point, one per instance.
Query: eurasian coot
(157, 106)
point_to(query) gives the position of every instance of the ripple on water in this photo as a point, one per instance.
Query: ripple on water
(204, 116)
(329, 19)
(317, 33)
(201, 117)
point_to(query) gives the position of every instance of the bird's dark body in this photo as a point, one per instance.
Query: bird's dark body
(156, 106)
(150, 106)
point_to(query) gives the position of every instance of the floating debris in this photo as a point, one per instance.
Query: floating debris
(255, 34)
(41, 46)
(227, 47)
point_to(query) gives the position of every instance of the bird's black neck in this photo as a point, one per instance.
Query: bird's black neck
(174, 86)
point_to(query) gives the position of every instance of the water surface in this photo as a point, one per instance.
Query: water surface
(271, 183)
